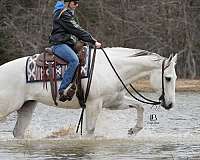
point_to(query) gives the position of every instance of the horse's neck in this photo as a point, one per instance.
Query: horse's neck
(127, 63)
(134, 68)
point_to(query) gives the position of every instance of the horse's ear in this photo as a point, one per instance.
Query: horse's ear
(174, 59)
(169, 59)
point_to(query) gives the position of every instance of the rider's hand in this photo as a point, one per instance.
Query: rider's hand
(97, 44)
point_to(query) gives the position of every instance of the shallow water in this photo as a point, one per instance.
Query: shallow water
(173, 134)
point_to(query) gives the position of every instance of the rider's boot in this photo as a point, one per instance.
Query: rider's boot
(68, 94)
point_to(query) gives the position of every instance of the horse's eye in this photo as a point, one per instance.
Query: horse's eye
(168, 79)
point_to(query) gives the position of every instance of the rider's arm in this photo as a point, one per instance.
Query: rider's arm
(72, 27)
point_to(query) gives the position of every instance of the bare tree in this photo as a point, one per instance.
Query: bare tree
(165, 27)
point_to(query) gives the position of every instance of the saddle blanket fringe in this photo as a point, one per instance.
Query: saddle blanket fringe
(35, 73)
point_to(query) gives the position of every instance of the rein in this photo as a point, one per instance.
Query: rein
(146, 100)
(83, 98)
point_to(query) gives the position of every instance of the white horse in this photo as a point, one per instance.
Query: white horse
(106, 89)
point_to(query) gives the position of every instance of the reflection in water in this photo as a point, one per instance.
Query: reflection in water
(99, 149)
(173, 134)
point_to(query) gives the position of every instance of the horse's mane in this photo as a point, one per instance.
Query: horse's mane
(141, 53)
(128, 52)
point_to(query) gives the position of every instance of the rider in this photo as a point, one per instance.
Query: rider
(63, 37)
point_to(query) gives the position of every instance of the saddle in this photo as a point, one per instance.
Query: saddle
(47, 60)
(48, 57)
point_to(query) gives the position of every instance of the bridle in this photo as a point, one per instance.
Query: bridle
(145, 100)
(162, 97)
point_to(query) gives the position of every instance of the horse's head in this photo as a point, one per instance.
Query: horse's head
(164, 79)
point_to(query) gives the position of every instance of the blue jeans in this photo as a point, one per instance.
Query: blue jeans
(66, 53)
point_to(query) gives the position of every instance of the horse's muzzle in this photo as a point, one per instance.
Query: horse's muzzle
(167, 107)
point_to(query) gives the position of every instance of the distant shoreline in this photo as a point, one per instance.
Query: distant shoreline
(182, 85)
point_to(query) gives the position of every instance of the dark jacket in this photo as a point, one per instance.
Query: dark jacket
(67, 30)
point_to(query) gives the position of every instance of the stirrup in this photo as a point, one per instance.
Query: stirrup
(62, 97)
(69, 93)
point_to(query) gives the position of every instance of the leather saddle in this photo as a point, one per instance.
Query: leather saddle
(47, 60)
(48, 57)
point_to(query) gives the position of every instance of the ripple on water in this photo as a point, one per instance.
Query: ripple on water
(174, 136)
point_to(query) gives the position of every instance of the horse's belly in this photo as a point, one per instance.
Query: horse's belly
(73, 104)
(111, 101)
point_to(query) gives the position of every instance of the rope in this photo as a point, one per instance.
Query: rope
(83, 98)
(151, 102)
(143, 95)
(148, 101)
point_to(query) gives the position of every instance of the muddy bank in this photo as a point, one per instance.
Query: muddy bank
(182, 85)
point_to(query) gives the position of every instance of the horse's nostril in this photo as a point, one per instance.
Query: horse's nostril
(169, 106)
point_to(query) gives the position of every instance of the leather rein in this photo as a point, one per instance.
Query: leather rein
(83, 97)
(144, 99)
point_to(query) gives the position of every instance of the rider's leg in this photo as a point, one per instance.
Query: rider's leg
(66, 53)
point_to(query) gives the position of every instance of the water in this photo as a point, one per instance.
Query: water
(173, 134)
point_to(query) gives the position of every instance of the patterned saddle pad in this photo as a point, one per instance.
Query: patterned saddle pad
(34, 73)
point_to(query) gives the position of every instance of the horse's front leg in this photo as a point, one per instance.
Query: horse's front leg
(93, 109)
(140, 114)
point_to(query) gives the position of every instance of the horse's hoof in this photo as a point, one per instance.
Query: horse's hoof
(134, 131)
(130, 131)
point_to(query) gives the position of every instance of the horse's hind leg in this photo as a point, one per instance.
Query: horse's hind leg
(24, 116)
